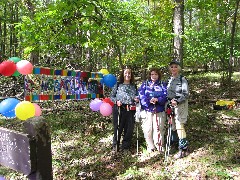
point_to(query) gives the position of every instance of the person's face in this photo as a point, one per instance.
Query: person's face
(127, 74)
(154, 76)
(174, 69)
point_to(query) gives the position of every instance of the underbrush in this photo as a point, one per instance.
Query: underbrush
(81, 145)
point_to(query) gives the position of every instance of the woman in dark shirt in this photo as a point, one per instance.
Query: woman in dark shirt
(124, 94)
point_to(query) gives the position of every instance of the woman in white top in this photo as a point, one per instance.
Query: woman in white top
(178, 93)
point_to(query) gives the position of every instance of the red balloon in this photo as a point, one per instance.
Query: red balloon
(1, 68)
(7, 68)
(108, 100)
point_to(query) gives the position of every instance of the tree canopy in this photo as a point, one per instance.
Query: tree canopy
(91, 34)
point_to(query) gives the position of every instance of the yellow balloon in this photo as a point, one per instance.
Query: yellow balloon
(24, 110)
(104, 71)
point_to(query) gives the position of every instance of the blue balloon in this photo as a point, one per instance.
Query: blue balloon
(7, 107)
(101, 81)
(109, 80)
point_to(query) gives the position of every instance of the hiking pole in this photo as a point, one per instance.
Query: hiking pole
(158, 131)
(137, 138)
(168, 140)
(169, 112)
(137, 118)
(117, 146)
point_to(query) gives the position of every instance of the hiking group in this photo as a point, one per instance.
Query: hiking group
(161, 103)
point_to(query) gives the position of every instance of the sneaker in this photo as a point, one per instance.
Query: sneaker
(149, 150)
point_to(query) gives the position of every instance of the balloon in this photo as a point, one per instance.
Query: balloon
(7, 107)
(7, 68)
(14, 59)
(108, 100)
(25, 110)
(38, 110)
(109, 80)
(1, 68)
(104, 71)
(101, 81)
(95, 104)
(24, 67)
(105, 109)
(16, 73)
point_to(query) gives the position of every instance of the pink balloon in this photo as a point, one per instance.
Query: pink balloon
(105, 109)
(38, 111)
(95, 104)
(24, 67)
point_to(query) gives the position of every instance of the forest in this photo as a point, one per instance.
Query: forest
(90, 35)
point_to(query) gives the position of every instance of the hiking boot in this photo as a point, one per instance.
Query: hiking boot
(181, 153)
(126, 152)
(186, 152)
(162, 149)
(174, 145)
(115, 150)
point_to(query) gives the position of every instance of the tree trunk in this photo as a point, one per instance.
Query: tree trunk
(178, 29)
(4, 32)
(145, 64)
(34, 56)
(230, 64)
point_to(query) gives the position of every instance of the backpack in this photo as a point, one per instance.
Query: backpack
(181, 76)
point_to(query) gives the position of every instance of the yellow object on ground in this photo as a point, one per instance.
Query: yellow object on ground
(225, 103)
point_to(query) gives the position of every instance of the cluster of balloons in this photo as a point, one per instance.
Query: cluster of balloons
(23, 110)
(14, 66)
(108, 79)
(104, 106)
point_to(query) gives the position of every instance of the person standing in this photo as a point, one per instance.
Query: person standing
(124, 94)
(178, 93)
(153, 96)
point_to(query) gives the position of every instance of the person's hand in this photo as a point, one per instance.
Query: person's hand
(174, 102)
(119, 103)
(136, 100)
(153, 100)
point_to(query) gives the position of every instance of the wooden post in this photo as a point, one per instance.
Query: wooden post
(39, 129)
(17, 151)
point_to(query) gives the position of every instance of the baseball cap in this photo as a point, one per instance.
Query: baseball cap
(174, 62)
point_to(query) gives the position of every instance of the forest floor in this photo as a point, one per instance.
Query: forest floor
(81, 141)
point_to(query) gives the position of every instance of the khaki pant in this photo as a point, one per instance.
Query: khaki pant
(153, 134)
(180, 118)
